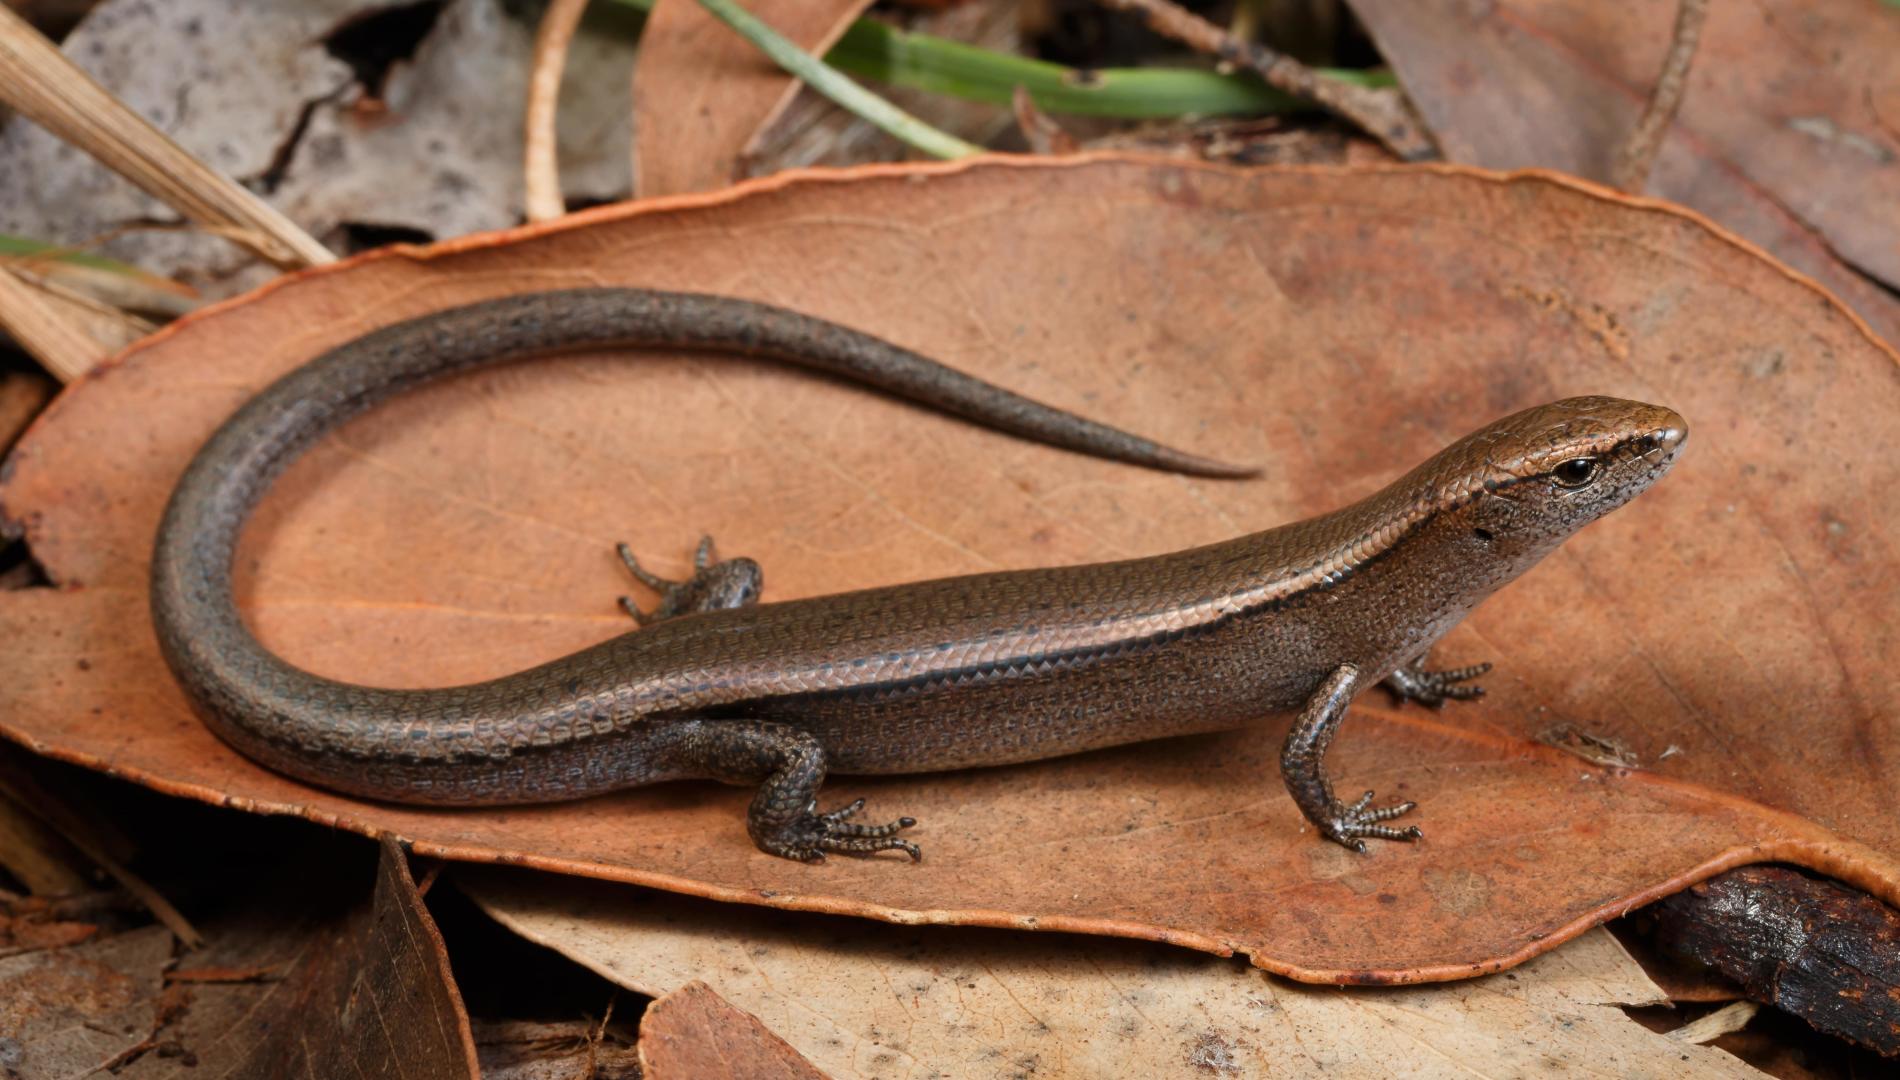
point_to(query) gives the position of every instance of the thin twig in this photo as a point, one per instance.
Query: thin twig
(541, 173)
(1385, 114)
(1638, 153)
(842, 91)
(1043, 134)
(43, 85)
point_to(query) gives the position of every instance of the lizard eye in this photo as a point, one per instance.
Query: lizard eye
(1576, 472)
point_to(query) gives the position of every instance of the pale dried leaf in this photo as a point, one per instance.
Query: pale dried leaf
(865, 1001)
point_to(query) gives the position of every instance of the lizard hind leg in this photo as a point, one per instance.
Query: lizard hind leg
(788, 765)
(716, 584)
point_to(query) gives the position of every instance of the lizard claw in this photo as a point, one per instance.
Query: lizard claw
(1347, 825)
(811, 834)
(1413, 683)
(715, 585)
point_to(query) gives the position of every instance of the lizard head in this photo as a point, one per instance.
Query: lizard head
(1532, 479)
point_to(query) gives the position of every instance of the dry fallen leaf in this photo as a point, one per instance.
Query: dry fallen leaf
(1787, 133)
(693, 1034)
(702, 92)
(810, 130)
(435, 148)
(1337, 326)
(290, 984)
(865, 1002)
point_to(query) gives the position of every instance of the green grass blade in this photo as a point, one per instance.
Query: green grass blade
(841, 90)
(871, 49)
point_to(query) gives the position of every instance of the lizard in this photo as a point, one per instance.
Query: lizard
(976, 670)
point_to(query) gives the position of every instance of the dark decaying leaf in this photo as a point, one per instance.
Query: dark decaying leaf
(309, 977)
(1787, 132)
(1731, 629)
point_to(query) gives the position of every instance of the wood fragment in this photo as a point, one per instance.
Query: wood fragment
(1729, 1018)
(38, 81)
(1809, 946)
(1385, 114)
(540, 169)
(1638, 153)
(22, 395)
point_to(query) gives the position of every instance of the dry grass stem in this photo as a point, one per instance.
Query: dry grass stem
(50, 331)
(43, 85)
(1638, 153)
(541, 171)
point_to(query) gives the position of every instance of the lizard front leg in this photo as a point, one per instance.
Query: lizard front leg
(788, 765)
(715, 584)
(1303, 767)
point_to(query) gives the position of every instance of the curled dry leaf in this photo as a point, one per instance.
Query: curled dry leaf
(307, 977)
(868, 1003)
(1788, 133)
(1337, 326)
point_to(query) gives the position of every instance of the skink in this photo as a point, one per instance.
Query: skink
(985, 669)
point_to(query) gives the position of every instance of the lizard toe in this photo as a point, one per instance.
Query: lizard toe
(809, 835)
(1351, 825)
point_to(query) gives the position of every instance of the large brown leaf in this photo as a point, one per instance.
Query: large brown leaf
(1337, 326)
(1789, 132)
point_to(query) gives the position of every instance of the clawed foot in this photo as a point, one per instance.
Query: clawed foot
(1347, 824)
(810, 835)
(1414, 683)
(714, 585)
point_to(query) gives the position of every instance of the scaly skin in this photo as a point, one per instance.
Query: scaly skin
(979, 670)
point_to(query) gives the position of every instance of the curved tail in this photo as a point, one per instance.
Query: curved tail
(315, 728)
